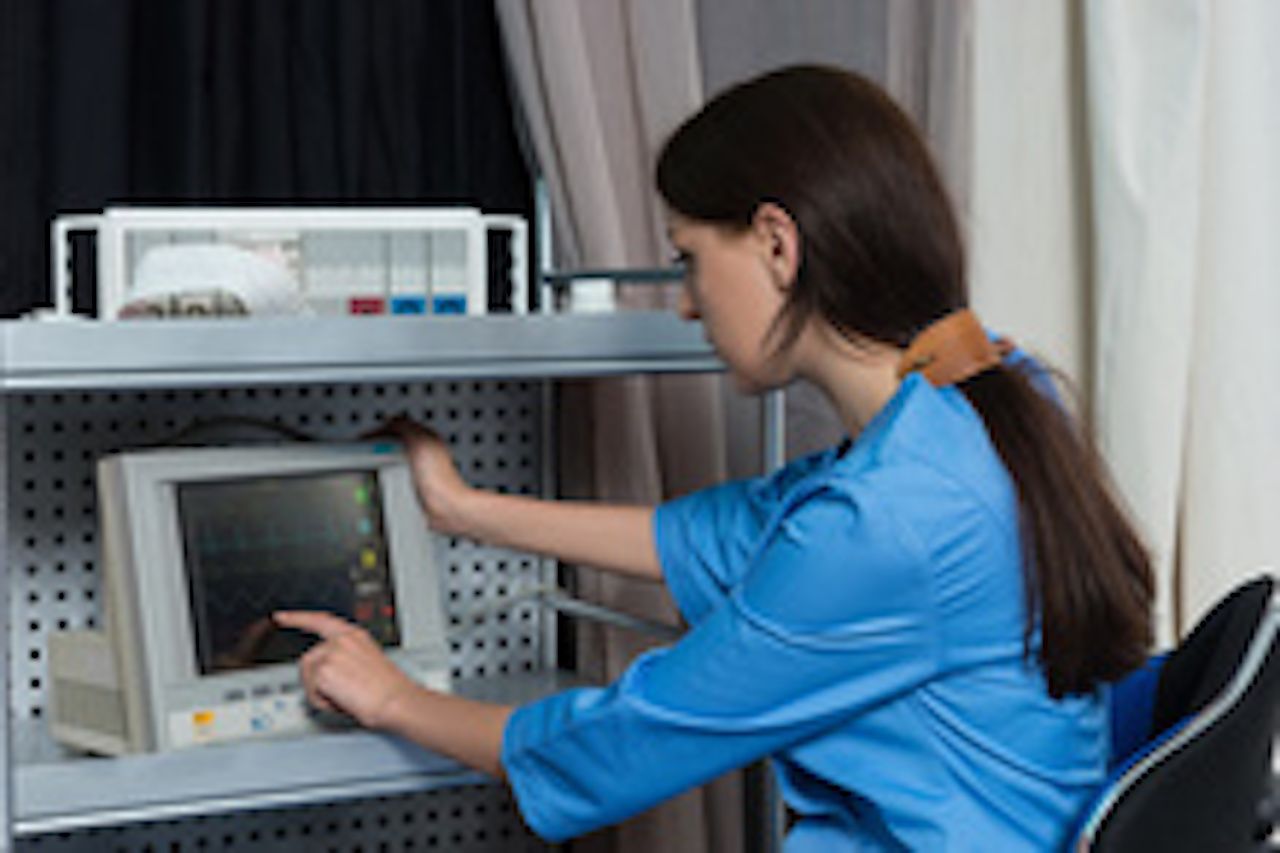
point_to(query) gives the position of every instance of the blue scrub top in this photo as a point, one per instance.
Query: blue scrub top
(858, 616)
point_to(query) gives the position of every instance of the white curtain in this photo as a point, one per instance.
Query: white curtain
(1027, 237)
(1184, 119)
(1126, 205)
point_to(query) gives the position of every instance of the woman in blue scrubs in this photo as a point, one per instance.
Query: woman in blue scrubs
(917, 625)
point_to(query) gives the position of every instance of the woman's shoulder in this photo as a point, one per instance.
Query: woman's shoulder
(836, 554)
(927, 485)
(937, 459)
(894, 510)
(905, 534)
(924, 469)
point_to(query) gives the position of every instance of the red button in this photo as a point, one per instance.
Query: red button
(367, 305)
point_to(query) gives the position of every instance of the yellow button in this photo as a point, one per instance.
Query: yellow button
(202, 718)
(368, 558)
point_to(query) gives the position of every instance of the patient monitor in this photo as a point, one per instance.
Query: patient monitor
(200, 546)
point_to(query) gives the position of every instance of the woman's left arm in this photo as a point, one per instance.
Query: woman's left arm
(348, 672)
(835, 617)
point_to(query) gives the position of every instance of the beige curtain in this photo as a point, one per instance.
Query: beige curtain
(601, 84)
(928, 69)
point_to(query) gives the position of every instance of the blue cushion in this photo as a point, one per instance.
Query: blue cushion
(1132, 703)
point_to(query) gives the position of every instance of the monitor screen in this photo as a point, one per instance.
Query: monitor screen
(255, 545)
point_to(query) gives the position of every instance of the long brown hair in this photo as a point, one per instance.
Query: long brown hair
(881, 258)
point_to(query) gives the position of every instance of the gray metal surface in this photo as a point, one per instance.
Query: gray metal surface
(194, 353)
(7, 795)
(66, 795)
(52, 553)
(75, 391)
(468, 819)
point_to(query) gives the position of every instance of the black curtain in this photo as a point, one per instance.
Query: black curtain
(245, 101)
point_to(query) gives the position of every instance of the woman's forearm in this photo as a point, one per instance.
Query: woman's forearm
(614, 538)
(463, 729)
(610, 537)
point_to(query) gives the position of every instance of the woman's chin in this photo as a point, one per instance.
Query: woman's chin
(750, 386)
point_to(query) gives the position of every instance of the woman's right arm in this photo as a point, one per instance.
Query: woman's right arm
(610, 537)
(604, 536)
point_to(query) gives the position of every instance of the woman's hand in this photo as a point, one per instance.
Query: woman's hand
(348, 671)
(440, 487)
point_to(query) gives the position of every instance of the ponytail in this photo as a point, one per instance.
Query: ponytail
(1088, 579)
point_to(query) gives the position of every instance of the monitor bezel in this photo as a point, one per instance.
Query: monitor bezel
(149, 601)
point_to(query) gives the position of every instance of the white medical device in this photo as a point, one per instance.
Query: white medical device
(200, 547)
(178, 261)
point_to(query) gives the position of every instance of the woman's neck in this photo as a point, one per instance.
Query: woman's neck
(857, 380)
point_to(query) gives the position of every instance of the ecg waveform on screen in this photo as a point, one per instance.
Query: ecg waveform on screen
(287, 543)
(263, 593)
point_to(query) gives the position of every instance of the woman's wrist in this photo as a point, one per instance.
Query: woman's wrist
(397, 708)
(469, 731)
(453, 514)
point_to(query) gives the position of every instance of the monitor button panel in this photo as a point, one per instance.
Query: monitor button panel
(264, 714)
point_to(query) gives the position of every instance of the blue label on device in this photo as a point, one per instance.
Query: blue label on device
(408, 305)
(449, 305)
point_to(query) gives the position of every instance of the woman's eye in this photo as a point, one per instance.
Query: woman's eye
(681, 258)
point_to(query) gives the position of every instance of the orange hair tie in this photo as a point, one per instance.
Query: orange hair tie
(953, 349)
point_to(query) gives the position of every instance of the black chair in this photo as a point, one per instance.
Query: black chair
(1192, 738)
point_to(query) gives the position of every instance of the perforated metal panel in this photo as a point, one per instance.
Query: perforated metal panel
(55, 439)
(52, 550)
(473, 819)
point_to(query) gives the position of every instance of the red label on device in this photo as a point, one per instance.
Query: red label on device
(367, 305)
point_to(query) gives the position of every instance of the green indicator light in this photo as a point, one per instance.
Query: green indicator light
(362, 495)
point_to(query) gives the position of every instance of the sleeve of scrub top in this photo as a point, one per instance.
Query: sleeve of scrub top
(704, 540)
(833, 619)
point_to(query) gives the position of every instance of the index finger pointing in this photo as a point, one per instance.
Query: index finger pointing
(325, 625)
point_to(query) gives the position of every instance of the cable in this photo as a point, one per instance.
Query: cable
(558, 599)
(203, 424)
(479, 614)
(567, 604)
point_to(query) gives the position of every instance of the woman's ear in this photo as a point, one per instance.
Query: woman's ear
(779, 242)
